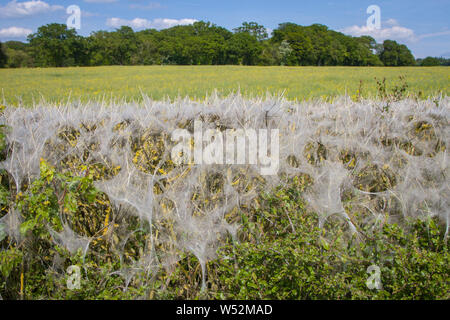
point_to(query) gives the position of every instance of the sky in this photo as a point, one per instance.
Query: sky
(422, 25)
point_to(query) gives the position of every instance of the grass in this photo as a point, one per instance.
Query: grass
(56, 85)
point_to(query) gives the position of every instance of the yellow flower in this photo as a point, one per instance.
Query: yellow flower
(106, 223)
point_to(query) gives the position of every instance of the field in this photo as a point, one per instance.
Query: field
(115, 189)
(56, 85)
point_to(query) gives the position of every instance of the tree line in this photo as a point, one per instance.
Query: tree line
(204, 43)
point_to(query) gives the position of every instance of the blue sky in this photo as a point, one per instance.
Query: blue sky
(422, 25)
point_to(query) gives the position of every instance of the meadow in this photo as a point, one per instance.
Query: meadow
(158, 82)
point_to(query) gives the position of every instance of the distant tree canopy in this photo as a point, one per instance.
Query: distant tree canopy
(256, 30)
(54, 45)
(432, 62)
(17, 54)
(3, 57)
(394, 54)
(317, 45)
(204, 43)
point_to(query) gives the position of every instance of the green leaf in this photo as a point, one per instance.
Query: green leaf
(324, 243)
(27, 225)
(70, 202)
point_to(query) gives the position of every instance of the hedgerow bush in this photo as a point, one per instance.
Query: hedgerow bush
(278, 261)
(360, 183)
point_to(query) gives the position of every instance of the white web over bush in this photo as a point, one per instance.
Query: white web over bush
(345, 147)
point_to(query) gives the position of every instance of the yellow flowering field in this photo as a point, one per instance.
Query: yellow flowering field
(128, 82)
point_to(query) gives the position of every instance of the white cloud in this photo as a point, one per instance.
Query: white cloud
(435, 34)
(139, 23)
(391, 22)
(395, 32)
(15, 32)
(16, 9)
(136, 23)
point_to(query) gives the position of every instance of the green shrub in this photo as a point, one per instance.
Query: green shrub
(280, 262)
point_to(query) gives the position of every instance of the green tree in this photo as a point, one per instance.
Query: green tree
(3, 57)
(200, 43)
(394, 54)
(318, 45)
(204, 43)
(18, 59)
(147, 52)
(270, 54)
(100, 48)
(244, 49)
(254, 29)
(54, 45)
(124, 45)
(18, 54)
(430, 62)
(369, 50)
(299, 42)
(16, 45)
(284, 51)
